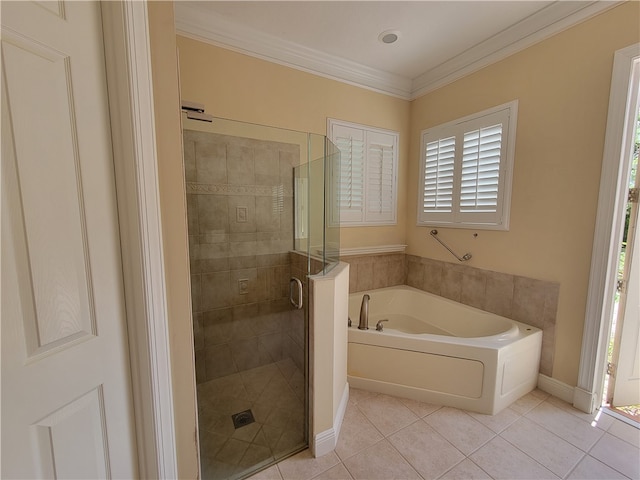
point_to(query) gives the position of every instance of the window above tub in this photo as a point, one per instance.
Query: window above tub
(366, 178)
(466, 168)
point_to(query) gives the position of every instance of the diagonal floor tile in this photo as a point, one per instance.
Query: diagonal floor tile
(466, 470)
(591, 469)
(271, 473)
(303, 466)
(501, 460)
(626, 432)
(421, 409)
(463, 431)
(497, 422)
(554, 453)
(356, 434)
(569, 427)
(339, 472)
(618, 454)
(425, 449)
(387, 413)
(380, 462)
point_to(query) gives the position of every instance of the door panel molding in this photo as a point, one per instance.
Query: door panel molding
(72, 440)
(53, 217)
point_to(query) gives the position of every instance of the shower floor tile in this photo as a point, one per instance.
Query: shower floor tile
(273, 395)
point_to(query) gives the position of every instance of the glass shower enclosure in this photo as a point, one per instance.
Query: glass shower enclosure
(258, 202)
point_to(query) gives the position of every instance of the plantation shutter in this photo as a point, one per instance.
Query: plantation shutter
(350, 142)
(367, 181)
(465, 171)
(381, 184)
(438, 175)
(481, 170)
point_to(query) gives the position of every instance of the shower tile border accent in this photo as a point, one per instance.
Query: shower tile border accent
(232, 190)
(526, 300)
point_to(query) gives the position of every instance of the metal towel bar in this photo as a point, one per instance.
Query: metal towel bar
(464, 258)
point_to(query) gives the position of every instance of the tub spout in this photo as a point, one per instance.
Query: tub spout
(364, 313)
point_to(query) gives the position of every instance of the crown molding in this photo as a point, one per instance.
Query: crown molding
(539, 26)
(197, 23)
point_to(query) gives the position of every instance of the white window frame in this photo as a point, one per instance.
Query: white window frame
(365, 215)
(454, 216)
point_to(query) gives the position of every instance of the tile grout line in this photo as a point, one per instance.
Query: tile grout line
(540, 463)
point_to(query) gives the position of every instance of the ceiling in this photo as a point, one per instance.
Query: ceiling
(438, 41)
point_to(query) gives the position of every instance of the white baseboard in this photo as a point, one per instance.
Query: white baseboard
(581, 399)
(584, 400)
(325, 442)
(556, 388)
(342, 408)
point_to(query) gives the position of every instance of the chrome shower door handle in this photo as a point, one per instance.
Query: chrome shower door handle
(295, 284)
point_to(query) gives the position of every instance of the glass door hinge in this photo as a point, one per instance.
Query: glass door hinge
(611, 369)
(621, 285)
(633, 195)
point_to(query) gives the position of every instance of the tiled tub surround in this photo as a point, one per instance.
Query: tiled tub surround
(526, 300)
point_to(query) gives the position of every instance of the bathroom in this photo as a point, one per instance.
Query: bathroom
(545, 243)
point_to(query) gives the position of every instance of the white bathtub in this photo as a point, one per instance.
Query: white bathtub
(438, 351)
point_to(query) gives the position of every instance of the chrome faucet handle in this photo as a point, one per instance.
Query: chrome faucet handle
(379, 324)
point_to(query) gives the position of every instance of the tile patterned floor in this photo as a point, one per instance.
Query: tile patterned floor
(537, 437)
(275, 395)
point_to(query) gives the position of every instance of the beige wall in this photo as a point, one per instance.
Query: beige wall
(562, 85)
(239, 87)
(174, 231)
(329, 307)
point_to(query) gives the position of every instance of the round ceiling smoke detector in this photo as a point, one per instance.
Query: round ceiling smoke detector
(389, 36)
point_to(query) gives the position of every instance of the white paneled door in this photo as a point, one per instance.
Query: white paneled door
(66, 393)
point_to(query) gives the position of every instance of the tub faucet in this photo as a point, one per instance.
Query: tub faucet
(364, 313)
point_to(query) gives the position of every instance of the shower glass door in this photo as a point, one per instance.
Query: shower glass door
(250, 341)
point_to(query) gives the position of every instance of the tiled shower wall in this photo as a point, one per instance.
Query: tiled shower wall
(527, 300)
(240, 212)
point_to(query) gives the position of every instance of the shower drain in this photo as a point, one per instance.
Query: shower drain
(242, 418)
